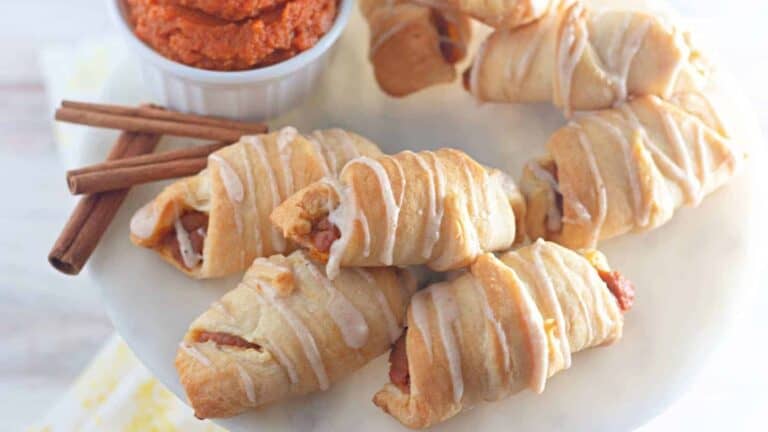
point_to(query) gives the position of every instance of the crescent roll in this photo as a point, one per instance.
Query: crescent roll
(627, 169)
(438, 208)
(217, 222)
(414, 46)
(507, 324)
(288, 330)
(585, 61)
(497, 13)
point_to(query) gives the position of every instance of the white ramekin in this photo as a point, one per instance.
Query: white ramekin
(261, 93)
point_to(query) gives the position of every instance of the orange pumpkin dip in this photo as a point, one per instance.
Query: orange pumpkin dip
(201, 33)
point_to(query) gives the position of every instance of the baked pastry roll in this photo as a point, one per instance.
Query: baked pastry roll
(414, 46)
(288, 330)
(439, 208)
(627, 169)
(497, 13)
(217, 222)
(507, 324)
(585, 61)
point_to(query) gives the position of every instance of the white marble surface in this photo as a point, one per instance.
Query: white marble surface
(52, 324)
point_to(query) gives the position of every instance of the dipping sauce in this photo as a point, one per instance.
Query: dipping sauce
(230, 35)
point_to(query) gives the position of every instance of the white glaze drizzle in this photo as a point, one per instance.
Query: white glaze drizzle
(278, 242)
(688, 181)
(472, 236)
(677, 40)
(432, 227)
(386, 35)
(475, 206)
(519, 67)
(307, 341)
(571, 46)
(245, 379)
(702, 155)
(575, 287)
(534, 326)
(347, 143)
(268, 263)
(546, 290)
(490, 316)
(321, 155)
(393, 328)
(343, 218)
(641, 208)
(234, 188)
(285, 138)
(391, 206)
(440, 184)
(624, 48)
(447, 318)
(143, 221)
(231, 180)
(421, 320)
(330, 157)
(600, 189)
(188, 254)
(255, 227)
(195, 354)
(570, 198)
(554, 215)
(351, 323)
(284, 361)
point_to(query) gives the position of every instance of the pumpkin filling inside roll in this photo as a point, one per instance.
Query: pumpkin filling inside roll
(449, 37)
(398, 365)
(225, 339)
(621, 288)
(186, 238)
(323, 234)
(546, 175)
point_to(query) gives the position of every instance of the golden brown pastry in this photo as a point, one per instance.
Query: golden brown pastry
(217, 222)
(507, 324)
(288, 330)
(627, 169)
(497, 13)
(414, 46)
(585, 61)
(438, 208)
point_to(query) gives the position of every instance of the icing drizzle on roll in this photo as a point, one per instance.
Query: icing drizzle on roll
(349, 320)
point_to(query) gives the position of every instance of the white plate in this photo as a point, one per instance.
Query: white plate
(691, 273)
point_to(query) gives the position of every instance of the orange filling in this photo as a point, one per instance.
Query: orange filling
(278, 30)
(398, 365)
(323, 234)
(621, 288)
(196, 225)
(225, 339)
(449, 37)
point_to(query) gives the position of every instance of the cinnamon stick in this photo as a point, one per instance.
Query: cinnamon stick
(201, 151)
(159, 113)
(130, 123)
(94, 213)
(128, 172)
(126, 177)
